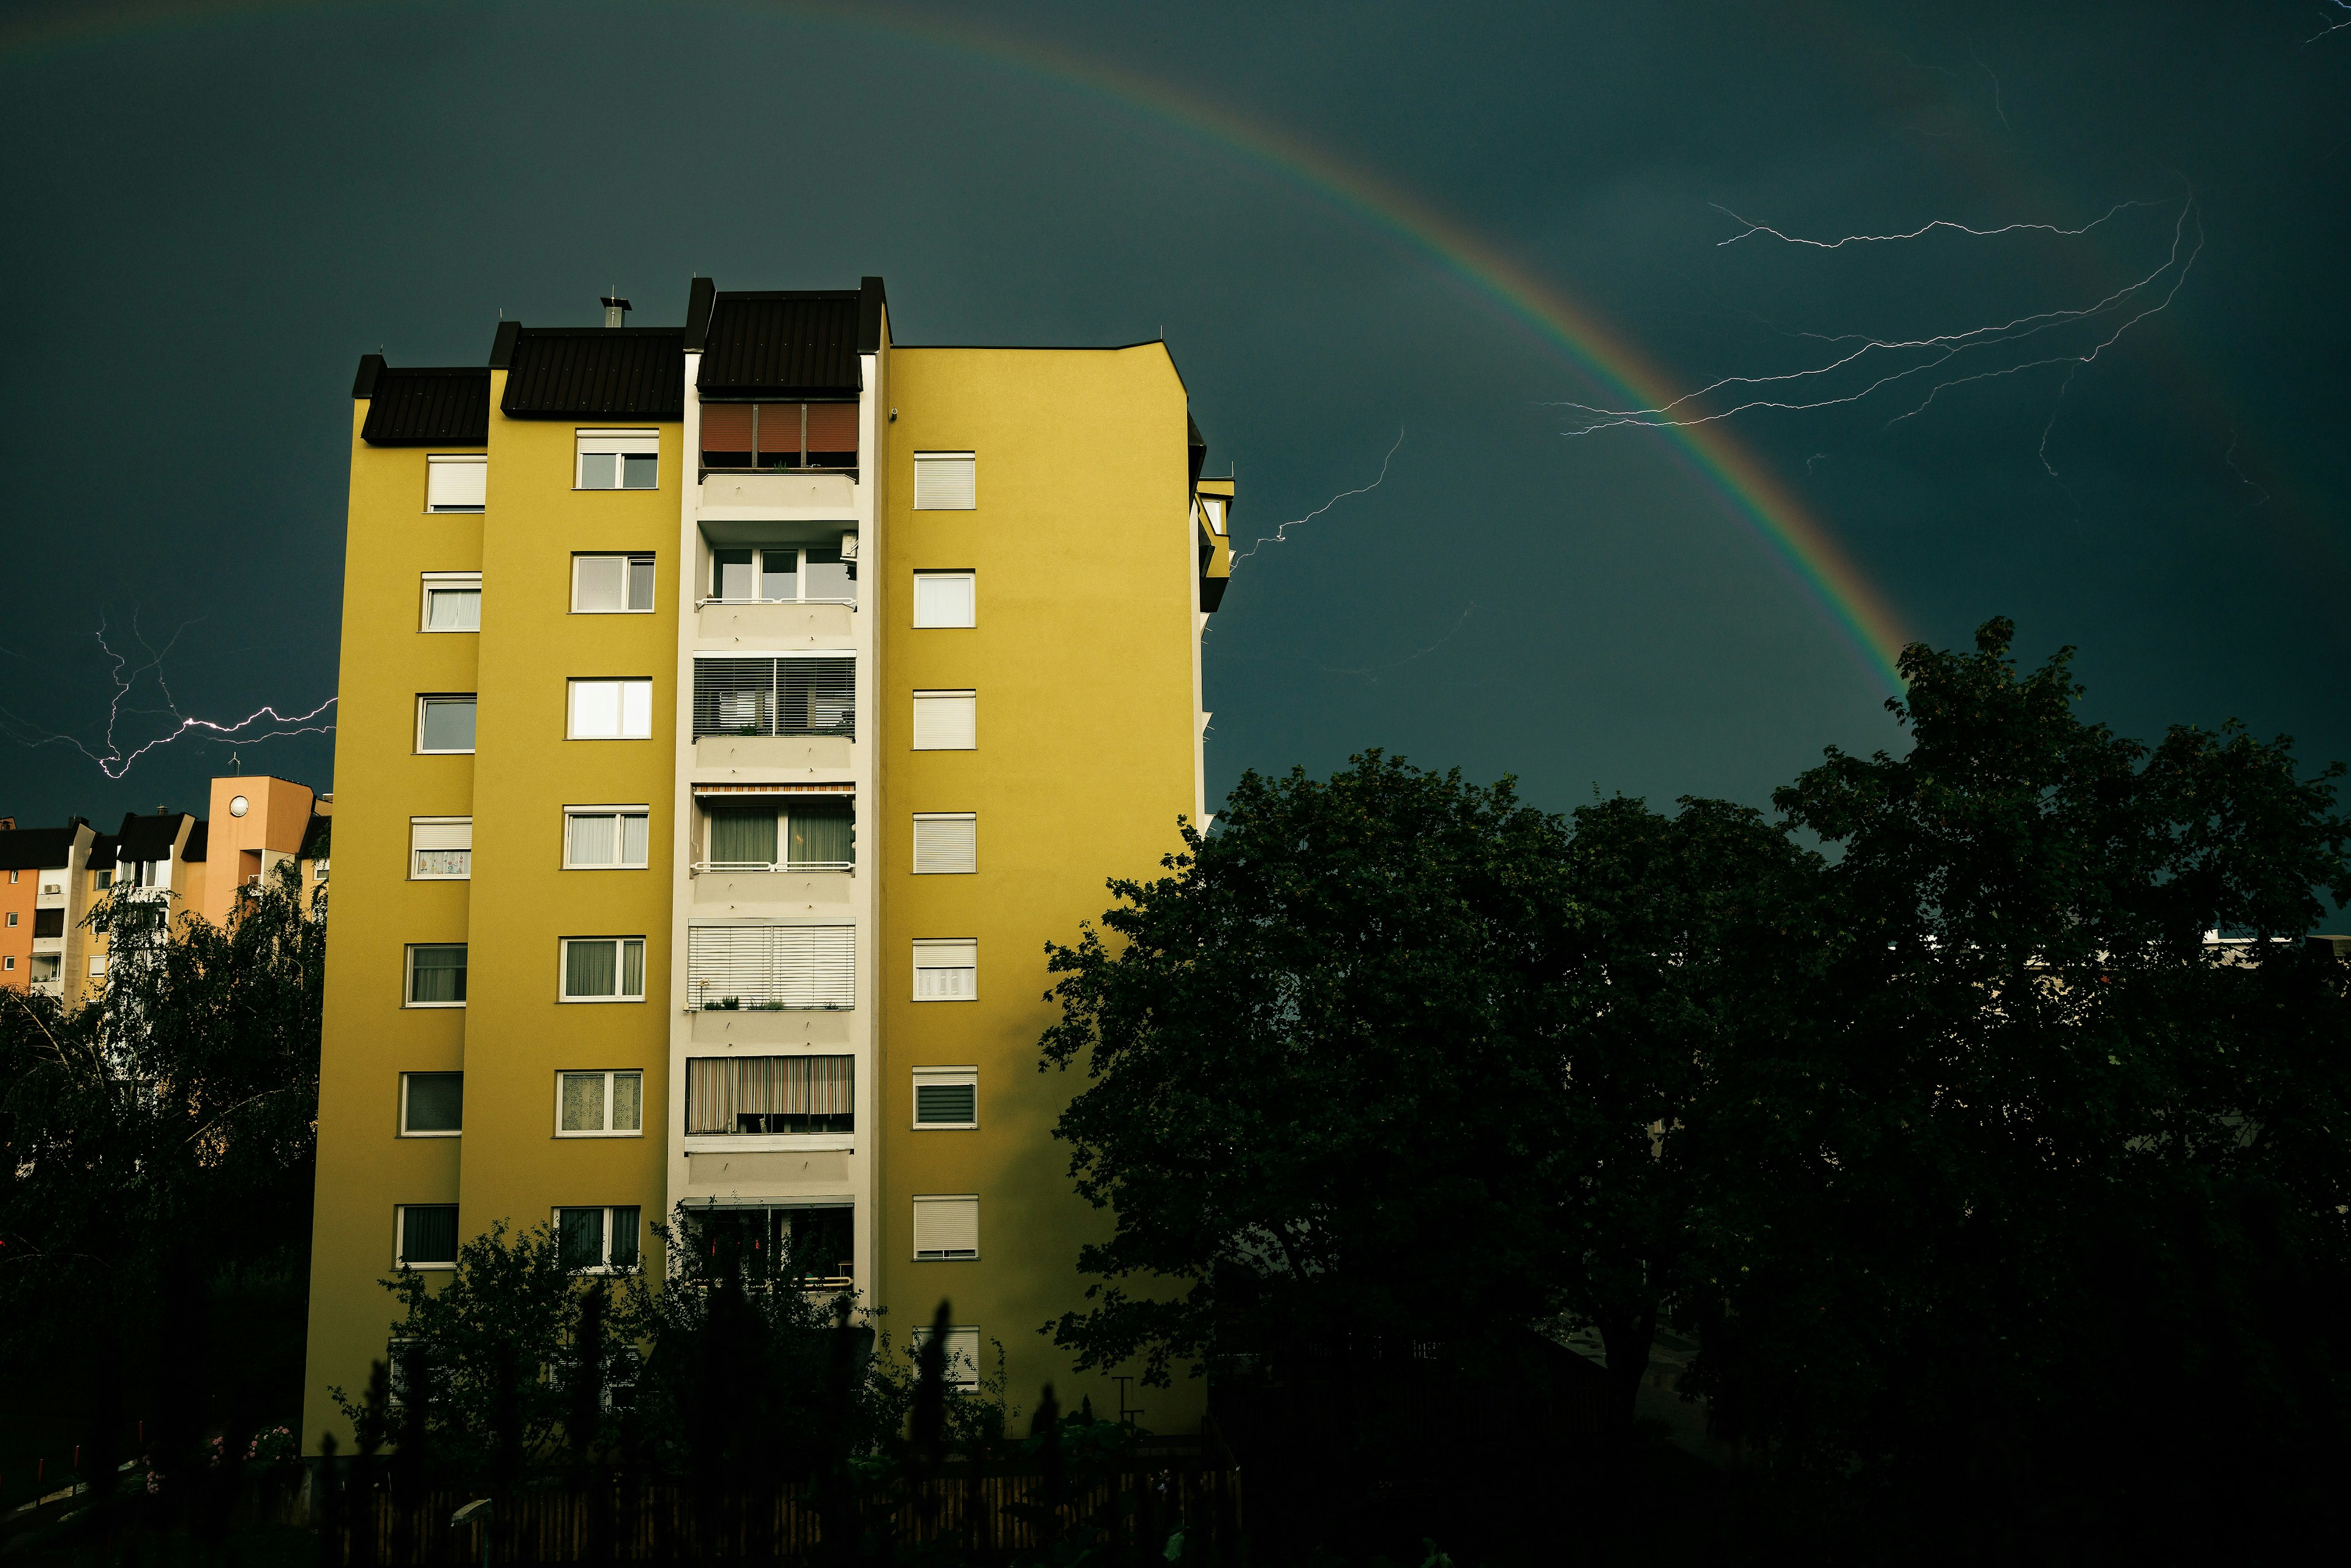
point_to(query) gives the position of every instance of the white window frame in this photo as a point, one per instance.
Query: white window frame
(938, 489)
(422, 698)
(620, 707)
(98, 965)
(944, 1078)
(963, 1351)
(946, 1254)
(447, 583)
(916, 867)
(943, 946)
(408, 973)
(1213, 508)
(400, 1239)
(801, 595)
(434, 464)
(925, 734)
(620, 968)
(415, 849)
(630, 561)
(621, 443)
(555, 1219)
(620, 838)
(608, 1130)
(457, 1130)
(969, 609)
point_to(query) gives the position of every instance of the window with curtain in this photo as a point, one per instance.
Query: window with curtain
(436, 975)
(453, 602)
(728, 1095)
(611, 584)
(440, 849)
(432, 1104)
(427, 1236)
(947, 970)
(814, 834)
(599, 1238)
(605, 836)
(594, 1104)
(603, 969)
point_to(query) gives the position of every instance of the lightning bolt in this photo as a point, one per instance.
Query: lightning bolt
(264, 723)
(1373, 670)
(1282, 533)
(2129, 303)
(2335, 26)
(1921, 232)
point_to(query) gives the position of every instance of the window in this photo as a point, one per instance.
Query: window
(603, 969)
(947, 721)
(947, 971)
(943, 482)
(49, 923)
(946, 1097)
(45, 967)
(619, 459)
(10, 962)
(728, 1095)
(946, 1227)
(945, 598)
(814, 1242)
(1212, 508)
(611, 584)
(436, 975)
(599, 1241)
(609, 837)
(786, 574)
(445, 724)
(779, 436)
(945, 842)
(453, 602)
(456, 484)
(802, 694)
(424, 1236)
(12, 917)
(611, 710)
(440, 849)
(812, 833)
(432, 1104)
(97, 879)
(98, 965)
(600, 1104)
(962, 1355)
(771, 967)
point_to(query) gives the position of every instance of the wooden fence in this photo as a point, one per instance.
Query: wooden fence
(982, 1514)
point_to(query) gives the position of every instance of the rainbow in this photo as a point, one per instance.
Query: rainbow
(1716, 460)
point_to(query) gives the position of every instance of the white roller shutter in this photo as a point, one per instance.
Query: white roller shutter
(945, 842)
(792, 966)
(944, 599)
(456, 484)
(947, 970)
(944, 482)
(947, 721)
(441, 832)
(947, 1226)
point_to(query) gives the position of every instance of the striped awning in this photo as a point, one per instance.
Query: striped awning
(706, 791)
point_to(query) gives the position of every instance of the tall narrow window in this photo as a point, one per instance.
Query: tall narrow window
(600, 1104)
(619, 459)
(611, 584)
(603, 969)
(424, 1236)
(946, 1097)
(728, 1095)
(605, 836)
(947, 1226)
(944, 598)
(945, 842)
(944, 482)
(611, 710)
(456, 484)
(947, 721)
(947, 970)
(436, 975)
(440, 849)
(453, 602)
(432, 1104)
(445, 722)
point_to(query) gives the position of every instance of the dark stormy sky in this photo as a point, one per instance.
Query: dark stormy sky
(210, 213)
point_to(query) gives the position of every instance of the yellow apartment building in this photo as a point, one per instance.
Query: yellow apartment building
(730, 714)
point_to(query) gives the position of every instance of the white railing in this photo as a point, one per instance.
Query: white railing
(700, 866)
(700, 603)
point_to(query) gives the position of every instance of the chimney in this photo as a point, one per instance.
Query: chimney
(616, 311)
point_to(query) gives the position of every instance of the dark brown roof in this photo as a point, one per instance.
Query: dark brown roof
(147, 838)
(563, 372)
(34, 849)
(781, 345)
(414, 407)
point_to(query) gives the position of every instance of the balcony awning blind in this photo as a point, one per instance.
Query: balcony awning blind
(794, 694)
(720, 1088)
(752, 792)
(771, 965)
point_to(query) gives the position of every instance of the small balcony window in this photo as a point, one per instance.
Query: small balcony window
(779, 436)
(756, 1095)
(816, 833)
(769, 967)
(785, 574)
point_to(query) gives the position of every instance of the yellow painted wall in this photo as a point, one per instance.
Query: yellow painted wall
(1082, 657)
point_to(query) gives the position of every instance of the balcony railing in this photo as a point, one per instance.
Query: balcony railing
(766, 866)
